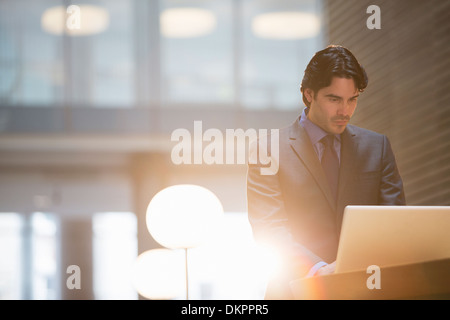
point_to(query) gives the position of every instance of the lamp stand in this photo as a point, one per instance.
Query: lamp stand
(187, 281)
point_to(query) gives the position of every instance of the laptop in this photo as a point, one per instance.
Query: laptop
(392, 235)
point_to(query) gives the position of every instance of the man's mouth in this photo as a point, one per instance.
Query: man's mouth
(340, 122)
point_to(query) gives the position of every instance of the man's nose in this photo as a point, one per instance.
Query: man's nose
(345, 109)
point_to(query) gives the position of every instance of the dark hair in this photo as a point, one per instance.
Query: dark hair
(333, 61)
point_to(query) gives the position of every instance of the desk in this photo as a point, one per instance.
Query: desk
(425, 280)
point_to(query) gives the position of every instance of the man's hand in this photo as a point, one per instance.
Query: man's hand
(328, 269)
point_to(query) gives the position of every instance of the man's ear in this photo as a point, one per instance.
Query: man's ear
(309, 94)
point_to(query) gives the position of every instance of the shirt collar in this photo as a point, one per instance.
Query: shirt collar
(315, 132)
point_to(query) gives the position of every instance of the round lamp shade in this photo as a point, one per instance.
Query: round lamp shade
(183, 216)
(159, 274)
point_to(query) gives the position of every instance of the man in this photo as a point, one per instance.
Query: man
(299, 209)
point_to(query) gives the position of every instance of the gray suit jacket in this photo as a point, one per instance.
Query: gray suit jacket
(294, 210)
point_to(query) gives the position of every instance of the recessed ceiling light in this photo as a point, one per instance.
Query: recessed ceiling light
(187, 22)
(286, 25)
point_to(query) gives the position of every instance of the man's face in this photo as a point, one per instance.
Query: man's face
(332, 107)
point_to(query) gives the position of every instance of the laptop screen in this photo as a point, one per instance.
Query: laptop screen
(392, 235)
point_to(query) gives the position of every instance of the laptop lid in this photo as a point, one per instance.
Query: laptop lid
(392, 235)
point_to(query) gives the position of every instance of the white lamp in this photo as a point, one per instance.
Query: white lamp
(158, 274)
(183, 216)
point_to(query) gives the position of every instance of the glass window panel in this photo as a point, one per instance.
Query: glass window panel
(28, 55)
(112, 55)
(44, 248)
(115, 251)
(48, 69)
(11, 279)
(198, 68)
(272, 68)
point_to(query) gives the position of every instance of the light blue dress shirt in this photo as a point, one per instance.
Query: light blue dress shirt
(316, 134)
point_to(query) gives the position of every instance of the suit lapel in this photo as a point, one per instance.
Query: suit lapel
(302, 146)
